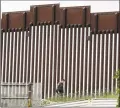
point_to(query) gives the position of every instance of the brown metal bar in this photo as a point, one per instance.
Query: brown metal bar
(35, 15)
(90, 62)
(74, 58)
(98, 60)
(55, 56)
(22, 54)
(82, 58)
(54, 46)
(36, 64)
(102, 59)
(11, 62)
(110, 60)
(8, 50)
(94, 61)
(94, 52)
(2, 50)
(51, 62)
(65, 17)
(33, 48)
(26, 56)
(63, 41)
(84, 16)
(106, 60)
(31, 24)
(115, 52)
(86, 55)
(48, 42)
(66, 68)
(59, 44)
(41, 29)
(15, 54)
(53, 14)
(63, 45)
(2, 32)
(82, 55)
(19, 44)
(43, 86)
(78, 61)
(1, 44)
(24, 20)
(7, 21)
(50, 59)
(46, 60)
(96, 22)
(70, 59)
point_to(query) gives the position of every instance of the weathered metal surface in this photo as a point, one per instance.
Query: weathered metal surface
(104, 21)
(67, 15)
(49, 43)
(16, 19)
(75, 15)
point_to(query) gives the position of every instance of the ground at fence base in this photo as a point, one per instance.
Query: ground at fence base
(60, 100)
(109, 103)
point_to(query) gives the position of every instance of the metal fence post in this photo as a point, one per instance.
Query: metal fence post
(30, 95)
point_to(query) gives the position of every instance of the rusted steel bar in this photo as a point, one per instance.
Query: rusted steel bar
(78, 61)
(36, 59)
(102, 60)
(18, 55)
(63, 46)
(51, 59)
(82, 59)
(26, 54)
(94, 54)
(44, 47)
(1, 58)
(29, 54)
(7, 54)
(41, 29)
(35, 89)
(70, 57)
(90, 62)
(62, 52)
(15, 55)
(59, 44)
(98, 76)
(111, 62)
(66, 63)
(86, 58)
(32, 48)
(106, 60)
(74, 60)
(7, 21)
(94, 58)
(25, 20)
(55, 56)
(4, 50)
(46, 60)
(115, 52)
(47, 57)
(22, 56)
(2, 32)
(11, 61)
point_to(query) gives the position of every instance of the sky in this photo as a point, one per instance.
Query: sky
(96, 6)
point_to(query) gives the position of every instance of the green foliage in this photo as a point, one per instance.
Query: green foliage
(63, 99)
(117, 76)
(45, 102)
